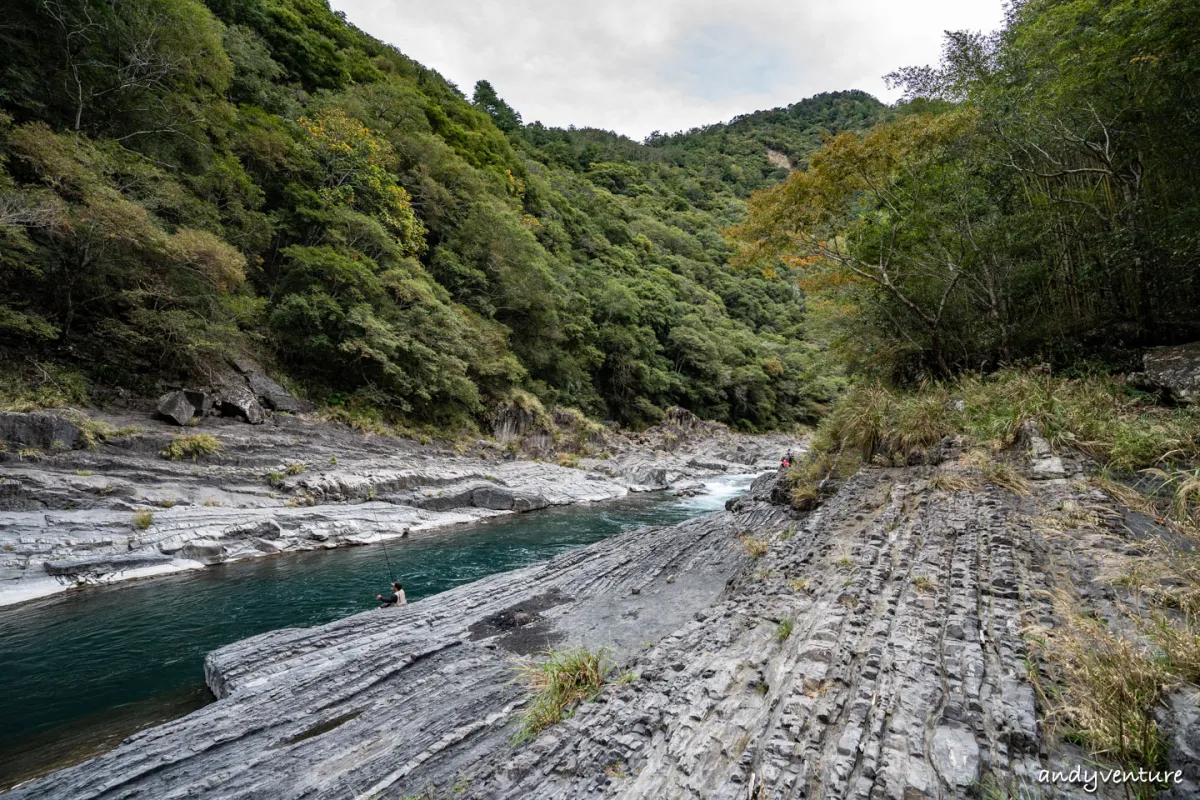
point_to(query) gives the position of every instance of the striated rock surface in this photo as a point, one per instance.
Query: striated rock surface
(39, 430)
(119, 511)
(389, 699)
(876, 649)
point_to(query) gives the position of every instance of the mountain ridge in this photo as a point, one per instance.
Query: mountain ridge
(269, 180)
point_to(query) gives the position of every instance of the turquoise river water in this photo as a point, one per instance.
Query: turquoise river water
(82, 670)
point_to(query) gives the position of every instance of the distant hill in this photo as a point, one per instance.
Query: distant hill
(181, 181)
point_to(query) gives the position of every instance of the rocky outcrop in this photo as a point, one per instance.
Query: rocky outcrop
(240, 403)
(1175, 370)
(392, 699)
(267, 391)
(180, 406)
(315, 485)
(873, 649)
(98, 565)
(38, 430)
(244, 392)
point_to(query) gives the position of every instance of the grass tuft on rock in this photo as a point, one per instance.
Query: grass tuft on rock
(952, 483)
(757, 548)
(1109, 686)
(193, 446)
(560, 680)
(924, 584)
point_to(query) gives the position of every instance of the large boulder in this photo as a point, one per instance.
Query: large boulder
(677, 417)
(270, 393)
(1176, 370)
(242, 403)
(38, 429)
(513, 423)
(175, 407)
(201, 401)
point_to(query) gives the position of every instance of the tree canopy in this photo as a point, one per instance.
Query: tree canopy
(1035, 198)
(182, 180)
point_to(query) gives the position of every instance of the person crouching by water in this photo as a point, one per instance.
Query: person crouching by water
(396, 598)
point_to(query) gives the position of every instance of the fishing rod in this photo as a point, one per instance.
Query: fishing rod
(383, 541)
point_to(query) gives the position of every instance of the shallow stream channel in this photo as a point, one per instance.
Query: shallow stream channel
(85, 669)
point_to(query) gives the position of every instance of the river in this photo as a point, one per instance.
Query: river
(84, 669)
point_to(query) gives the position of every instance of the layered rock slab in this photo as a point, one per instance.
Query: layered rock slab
(385, 702)
(874, 653)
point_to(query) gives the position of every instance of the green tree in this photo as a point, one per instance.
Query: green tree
(505, 116)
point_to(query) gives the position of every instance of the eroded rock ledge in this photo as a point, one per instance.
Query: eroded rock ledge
(387, 699)
(70, 515)
(904, 673)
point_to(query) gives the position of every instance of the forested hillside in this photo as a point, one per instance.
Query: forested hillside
(182, 181)
(1038, 198)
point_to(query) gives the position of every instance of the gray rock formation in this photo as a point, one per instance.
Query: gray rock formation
(286, 486)
(875, 650)
(1044, 464)
(1176, 370)
(244, 392)
(240, 403)
(181, 405)
(38, 430)
(268, 392)
(99, 565)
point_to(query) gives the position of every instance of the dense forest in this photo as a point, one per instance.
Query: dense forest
(181, 181)
(1035, 198)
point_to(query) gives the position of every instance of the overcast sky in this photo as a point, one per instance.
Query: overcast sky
(635, 66)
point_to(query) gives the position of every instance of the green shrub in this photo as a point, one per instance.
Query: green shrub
(193, 446)
(560, 680)
(143, 520)
(1097, 415)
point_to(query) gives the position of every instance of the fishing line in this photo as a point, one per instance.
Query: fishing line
(383, 541)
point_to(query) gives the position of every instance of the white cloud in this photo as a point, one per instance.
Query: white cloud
(640, 65)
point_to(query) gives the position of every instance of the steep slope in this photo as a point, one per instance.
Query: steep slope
(178, 181)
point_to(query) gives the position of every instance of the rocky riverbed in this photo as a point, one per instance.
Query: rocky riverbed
(79, 507)
(878, 647)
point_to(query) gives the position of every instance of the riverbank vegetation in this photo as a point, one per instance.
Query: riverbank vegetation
(559, 680)
(1035, 199)
(180, 181)
(1126, 432)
